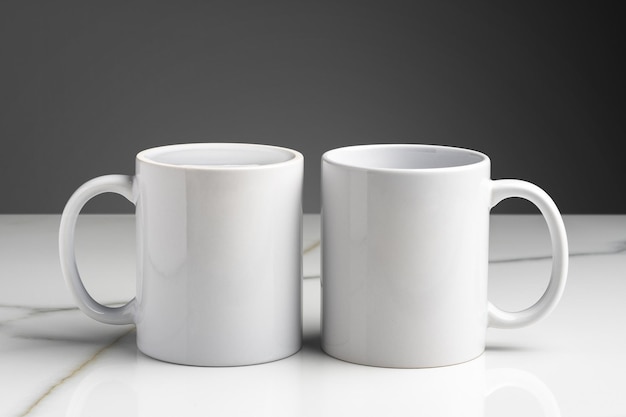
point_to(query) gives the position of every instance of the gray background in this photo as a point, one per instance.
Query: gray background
(85, 85)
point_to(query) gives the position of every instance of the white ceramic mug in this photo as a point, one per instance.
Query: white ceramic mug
(218, 252)
(405, 239)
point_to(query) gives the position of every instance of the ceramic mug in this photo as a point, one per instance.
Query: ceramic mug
(405, 236)
(218, 252)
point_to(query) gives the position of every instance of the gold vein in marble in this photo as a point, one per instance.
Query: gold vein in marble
(30, 312)
(310, 248)
(73, 373)
(619, 247)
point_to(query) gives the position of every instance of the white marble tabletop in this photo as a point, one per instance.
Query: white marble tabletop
(55, 361)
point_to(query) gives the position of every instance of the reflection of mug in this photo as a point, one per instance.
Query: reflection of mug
(219, 252)
(460, 390)
(405, 236)
(147, 388)
(500, 378)
(295, 386)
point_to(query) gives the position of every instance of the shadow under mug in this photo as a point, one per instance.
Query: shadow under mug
(218, 252)
(405, 242)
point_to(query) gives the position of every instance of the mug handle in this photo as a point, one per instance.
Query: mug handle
(502, 189)
(119, 184)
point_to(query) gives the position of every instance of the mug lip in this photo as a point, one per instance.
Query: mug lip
(144, 155)
(329, 157)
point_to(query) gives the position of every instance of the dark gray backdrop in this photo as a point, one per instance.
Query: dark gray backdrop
(85, 85)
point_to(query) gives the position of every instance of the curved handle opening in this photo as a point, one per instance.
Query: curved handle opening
(119, 184)
(503, 189)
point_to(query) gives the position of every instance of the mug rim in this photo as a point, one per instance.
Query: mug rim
(330, 157)
(145, 156)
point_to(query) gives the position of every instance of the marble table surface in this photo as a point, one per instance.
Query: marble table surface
(55, 361)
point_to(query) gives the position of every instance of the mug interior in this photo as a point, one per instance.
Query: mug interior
(405, 157)
(217, 155)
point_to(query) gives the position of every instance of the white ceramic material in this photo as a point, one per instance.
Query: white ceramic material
(218, 252)
(405, 232)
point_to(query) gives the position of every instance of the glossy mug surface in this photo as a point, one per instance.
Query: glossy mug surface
(405, 239)
(218, 252)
